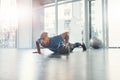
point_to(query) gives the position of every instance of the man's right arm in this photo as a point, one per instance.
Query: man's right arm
(38, 47)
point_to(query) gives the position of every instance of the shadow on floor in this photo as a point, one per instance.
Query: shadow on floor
(57, 55)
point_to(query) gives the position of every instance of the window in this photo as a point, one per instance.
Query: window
(8, 24)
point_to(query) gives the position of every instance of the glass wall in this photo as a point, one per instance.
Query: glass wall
(70, 18)
(59, 16)
(8, 24)
(49, 20)
(93, 29)
(78, 22)
(96, 24)
(98, 21)
(78, 17)
(64, 16)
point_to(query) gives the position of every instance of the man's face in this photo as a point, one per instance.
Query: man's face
(44, 38)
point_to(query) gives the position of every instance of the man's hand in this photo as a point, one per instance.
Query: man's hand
(67, 45)
(37, 52)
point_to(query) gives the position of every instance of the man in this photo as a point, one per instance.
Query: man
(58, 44)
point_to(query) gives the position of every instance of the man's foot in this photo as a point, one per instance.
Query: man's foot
(72, 46)
(77, 45)
(37, 52)
(84, 47)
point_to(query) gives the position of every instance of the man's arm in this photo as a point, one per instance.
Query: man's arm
(38, 48)
(65, 37)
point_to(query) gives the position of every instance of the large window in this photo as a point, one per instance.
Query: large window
(8, 23)
(70, 17)
(49, 23)
(78, 17)
(96, 26)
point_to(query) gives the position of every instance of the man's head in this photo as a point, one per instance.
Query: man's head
(43, 35)
(44, 38)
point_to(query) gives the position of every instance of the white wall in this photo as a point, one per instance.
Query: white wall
(37, 24)
(30, 24)
(114, 23)
(24, 33)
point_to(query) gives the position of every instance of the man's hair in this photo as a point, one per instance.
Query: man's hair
(43, 34)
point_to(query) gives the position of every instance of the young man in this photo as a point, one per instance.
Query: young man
(58, 44)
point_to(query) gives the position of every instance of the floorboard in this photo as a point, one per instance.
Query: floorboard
(22, 64)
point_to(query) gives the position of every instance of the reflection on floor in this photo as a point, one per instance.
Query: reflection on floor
(22, 64)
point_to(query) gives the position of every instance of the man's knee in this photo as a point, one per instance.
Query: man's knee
(63, 50)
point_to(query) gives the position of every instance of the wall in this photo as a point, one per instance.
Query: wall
(37, 24)
(24, 32)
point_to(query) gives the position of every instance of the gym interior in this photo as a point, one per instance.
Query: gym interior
(94, 22)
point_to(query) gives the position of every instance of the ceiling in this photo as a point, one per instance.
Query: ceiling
(43, 2)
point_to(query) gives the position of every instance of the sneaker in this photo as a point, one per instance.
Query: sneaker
(84, 47)
(77, 45)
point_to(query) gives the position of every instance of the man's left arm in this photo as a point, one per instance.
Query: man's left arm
(65, 37)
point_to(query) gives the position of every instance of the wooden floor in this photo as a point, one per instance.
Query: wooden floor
(22, 64)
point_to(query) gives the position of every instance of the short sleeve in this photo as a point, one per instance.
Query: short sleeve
(38, 40)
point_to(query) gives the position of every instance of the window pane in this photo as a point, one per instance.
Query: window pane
(49, 21)
(8, 23)
(71, 19)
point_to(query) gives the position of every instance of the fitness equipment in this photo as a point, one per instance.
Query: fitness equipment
(96, 43)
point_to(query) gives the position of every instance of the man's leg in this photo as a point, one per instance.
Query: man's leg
(63, 50)
(72, 46)
(83, 46)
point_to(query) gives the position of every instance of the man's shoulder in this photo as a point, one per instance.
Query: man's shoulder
(57, 36)
(38, 40)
